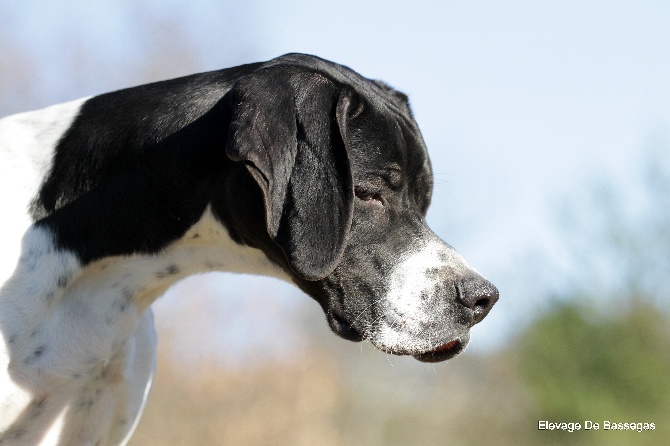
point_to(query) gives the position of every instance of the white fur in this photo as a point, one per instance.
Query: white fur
(415, 276)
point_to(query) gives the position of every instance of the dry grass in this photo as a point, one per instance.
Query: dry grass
(274, 404)
(316, 399)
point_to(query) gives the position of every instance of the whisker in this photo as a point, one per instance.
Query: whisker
(367, 307)
(442, 180)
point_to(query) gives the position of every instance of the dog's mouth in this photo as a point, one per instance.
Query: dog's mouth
(441, 353)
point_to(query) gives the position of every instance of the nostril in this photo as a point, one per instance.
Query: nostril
(482, 303)
(477, 294)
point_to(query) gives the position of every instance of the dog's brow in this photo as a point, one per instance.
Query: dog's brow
(390, 173)
(393, 174)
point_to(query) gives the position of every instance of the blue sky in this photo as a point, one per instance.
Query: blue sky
(522, 103)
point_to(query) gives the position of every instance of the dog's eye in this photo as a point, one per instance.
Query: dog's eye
(370, 197)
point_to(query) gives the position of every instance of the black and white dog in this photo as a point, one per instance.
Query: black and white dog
(296, 168)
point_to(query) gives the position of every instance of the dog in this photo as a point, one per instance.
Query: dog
(297, 168)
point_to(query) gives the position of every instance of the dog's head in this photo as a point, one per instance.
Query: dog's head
(343, 178)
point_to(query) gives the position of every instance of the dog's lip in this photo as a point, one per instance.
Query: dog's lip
(342, 328)
(443, 352)
(440, 353)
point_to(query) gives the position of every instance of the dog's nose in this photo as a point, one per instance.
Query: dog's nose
(477, 294)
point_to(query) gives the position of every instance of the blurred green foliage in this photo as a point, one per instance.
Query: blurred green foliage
(601, 352)
(580, 364)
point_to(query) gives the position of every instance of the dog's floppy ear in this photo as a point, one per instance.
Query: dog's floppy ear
(288, 128)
